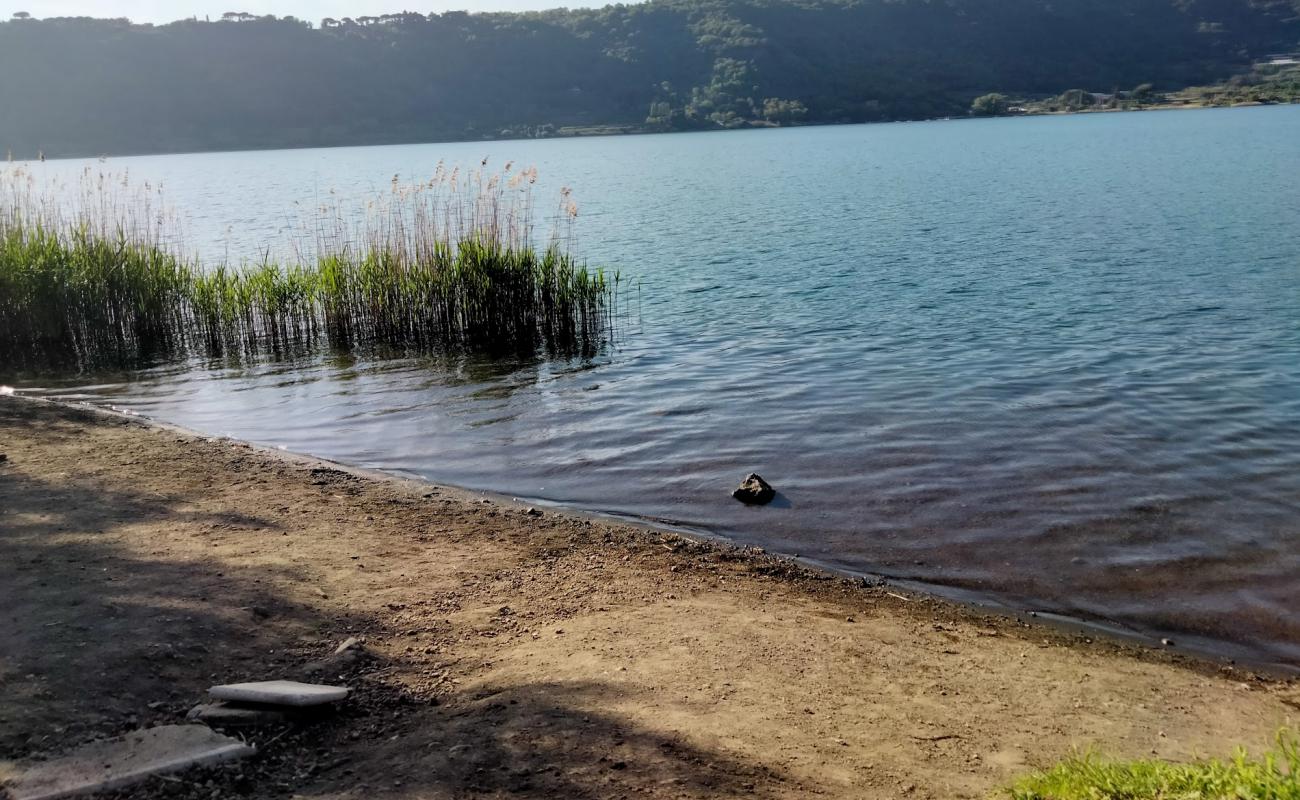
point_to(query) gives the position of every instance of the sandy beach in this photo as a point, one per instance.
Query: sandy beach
(520, 653)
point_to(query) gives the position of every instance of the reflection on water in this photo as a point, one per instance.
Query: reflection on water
(1054, 362)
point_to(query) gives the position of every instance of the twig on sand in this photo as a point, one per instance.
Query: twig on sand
(276, 737)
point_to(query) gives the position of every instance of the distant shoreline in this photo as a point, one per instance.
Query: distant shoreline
(603, 131)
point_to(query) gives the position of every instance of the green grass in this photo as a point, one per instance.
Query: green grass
(448, 264)
(1274, 775)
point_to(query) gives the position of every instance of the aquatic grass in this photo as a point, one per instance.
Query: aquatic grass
(1275, 775)
(451, 263)
(454, 259)
(78, 295)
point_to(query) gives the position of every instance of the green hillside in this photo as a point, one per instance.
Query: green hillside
(82, 86)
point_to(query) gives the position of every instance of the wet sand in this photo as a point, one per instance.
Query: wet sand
(523, 655)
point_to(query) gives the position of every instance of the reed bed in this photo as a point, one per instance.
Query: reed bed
(95, 276)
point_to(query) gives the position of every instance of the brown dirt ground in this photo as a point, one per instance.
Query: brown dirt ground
(524, 656)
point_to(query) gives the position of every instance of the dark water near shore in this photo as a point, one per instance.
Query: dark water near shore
(1052, 361)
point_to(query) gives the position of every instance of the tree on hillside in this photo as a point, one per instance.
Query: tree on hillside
(990, 105)
(1076, 100)
(728, 99)
(783, 112)
(21, 15)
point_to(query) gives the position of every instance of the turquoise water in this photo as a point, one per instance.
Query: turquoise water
(1052, 363)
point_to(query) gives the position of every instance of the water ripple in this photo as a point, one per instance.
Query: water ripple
(1055, 362)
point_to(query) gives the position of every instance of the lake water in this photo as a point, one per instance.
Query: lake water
(1052, 363)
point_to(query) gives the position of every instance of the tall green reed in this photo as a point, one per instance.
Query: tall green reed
(449, 263)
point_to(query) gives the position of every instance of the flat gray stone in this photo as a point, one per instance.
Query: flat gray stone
(280, 693)
(122, 761)
(221, 714)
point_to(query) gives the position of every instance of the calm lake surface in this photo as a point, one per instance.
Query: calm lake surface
(1050, 362)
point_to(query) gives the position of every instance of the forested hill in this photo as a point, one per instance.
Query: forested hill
(81, 86)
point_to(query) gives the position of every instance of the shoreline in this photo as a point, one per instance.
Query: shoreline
(632, 129)
(563, 656)
(1217, 653)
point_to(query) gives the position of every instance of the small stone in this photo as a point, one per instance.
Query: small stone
(348, 644)
(280, 693)
(754, 491)
(1167, 642)
(532, 512)
(346, 656)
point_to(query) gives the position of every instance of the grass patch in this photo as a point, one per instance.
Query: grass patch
(451, 263)
(1274, 775)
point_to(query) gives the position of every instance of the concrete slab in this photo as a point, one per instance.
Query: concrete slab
(280, 693)
(220, 714)
(125, 760)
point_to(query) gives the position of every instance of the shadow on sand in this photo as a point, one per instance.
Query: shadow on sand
(99, 638)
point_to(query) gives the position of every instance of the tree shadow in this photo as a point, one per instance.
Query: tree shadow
(541, 740)
(99, 636)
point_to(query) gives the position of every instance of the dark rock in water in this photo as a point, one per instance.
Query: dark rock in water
(754, 491)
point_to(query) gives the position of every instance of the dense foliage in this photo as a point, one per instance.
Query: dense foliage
(1264, 84)
(82, 86)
